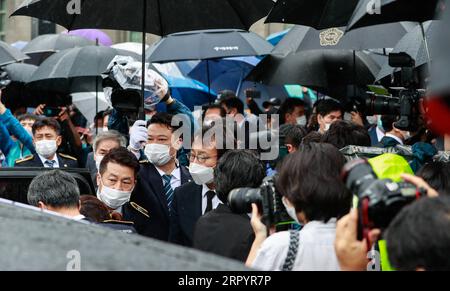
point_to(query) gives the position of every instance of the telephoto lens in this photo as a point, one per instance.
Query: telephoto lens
(241, 199)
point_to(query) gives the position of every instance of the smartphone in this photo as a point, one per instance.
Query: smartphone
(51, 111)
(254, 94)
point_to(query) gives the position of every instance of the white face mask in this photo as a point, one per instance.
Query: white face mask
(372, 120)
(201, 174)
(406, 135)
(347, 116)
(327, 126)
(301, 120)
(158, 154)
(113, 198)
(98, 160)
(290, 210)
(46, 148)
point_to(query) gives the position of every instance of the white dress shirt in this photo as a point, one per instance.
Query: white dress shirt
(78, 217)
(55, 158)
(215, 201)
(175, 182)
(315, 250)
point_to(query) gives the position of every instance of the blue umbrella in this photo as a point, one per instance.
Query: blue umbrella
(226, 73)
(189, 92)
(275, 38)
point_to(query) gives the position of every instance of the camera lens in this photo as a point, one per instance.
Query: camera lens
(241, 199)
(357, 174)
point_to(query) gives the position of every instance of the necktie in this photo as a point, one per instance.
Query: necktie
(168, 190)
(209, 196)
(50, 164)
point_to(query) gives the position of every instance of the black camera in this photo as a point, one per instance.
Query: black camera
(379, 200)
(269, 203)
(406, 103)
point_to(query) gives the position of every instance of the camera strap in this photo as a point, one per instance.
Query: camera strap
(294, 239)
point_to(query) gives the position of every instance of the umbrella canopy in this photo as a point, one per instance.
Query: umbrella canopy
(162, 17)
(87, 104)
(75, 70)
(190, 92)
(20, 73)
(9, 54)
(319, 14)
(134, 47)
(33, 240)
(94, 35)
(302, 38)
(19, 44)
(225, 73)
(387, 11)
(208, 44)
(413, 44)
(55, 43)
(323, 70)
(275, 38)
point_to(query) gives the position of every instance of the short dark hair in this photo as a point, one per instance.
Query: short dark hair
(293, 134)
(234, 103)
(221, 143)
(165, 119)
(312, 137)
(46, 122)
(55, 188)
(326, 106)
(419, 236)
(387, 121)
(27, 116)
(213, 106)
(288, 106)
(343, 133)
(437, 175)
(94, 209)
(122, 157)
(310, 179)
(237, 169)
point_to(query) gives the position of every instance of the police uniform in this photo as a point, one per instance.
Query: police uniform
(34, 161)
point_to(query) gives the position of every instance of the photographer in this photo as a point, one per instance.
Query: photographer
(314, 196)
(221, 231)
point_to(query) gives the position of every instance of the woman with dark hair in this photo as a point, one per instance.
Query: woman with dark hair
(437, 175)
(315, 197)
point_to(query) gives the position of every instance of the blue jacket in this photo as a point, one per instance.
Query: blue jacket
(9, 125)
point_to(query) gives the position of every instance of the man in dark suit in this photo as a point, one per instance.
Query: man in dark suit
(393, 136)
(47, 138)
(158, 177)
(221, 231)
(194, 199)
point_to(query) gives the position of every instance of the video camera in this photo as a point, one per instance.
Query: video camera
(267, 199)
(379, 200)
(405, 104)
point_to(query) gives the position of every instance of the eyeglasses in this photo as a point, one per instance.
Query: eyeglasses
(201, 158)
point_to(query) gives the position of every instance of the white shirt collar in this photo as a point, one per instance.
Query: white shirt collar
(206, 189)
(176, 174)
(55, 158)
(78, 217)
(394, 137)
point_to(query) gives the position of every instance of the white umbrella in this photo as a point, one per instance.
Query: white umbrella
(85, 102)
(134, 47)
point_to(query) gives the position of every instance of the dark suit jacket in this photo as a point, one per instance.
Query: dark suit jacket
(149, 195)
(224, 233)
(187, 209)
(90, 165)
(387, 142)
(33, 161)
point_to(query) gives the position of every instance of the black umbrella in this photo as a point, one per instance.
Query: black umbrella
(323, 70)
(414, 45)
(20, 73)
(9, 54)
(370, 12)
(45, 45)
(158, 17)
(319, 14)
(301, 38)
(33, 240)
(205, 45)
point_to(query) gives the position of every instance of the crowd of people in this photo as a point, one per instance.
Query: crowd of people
(151, 181)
